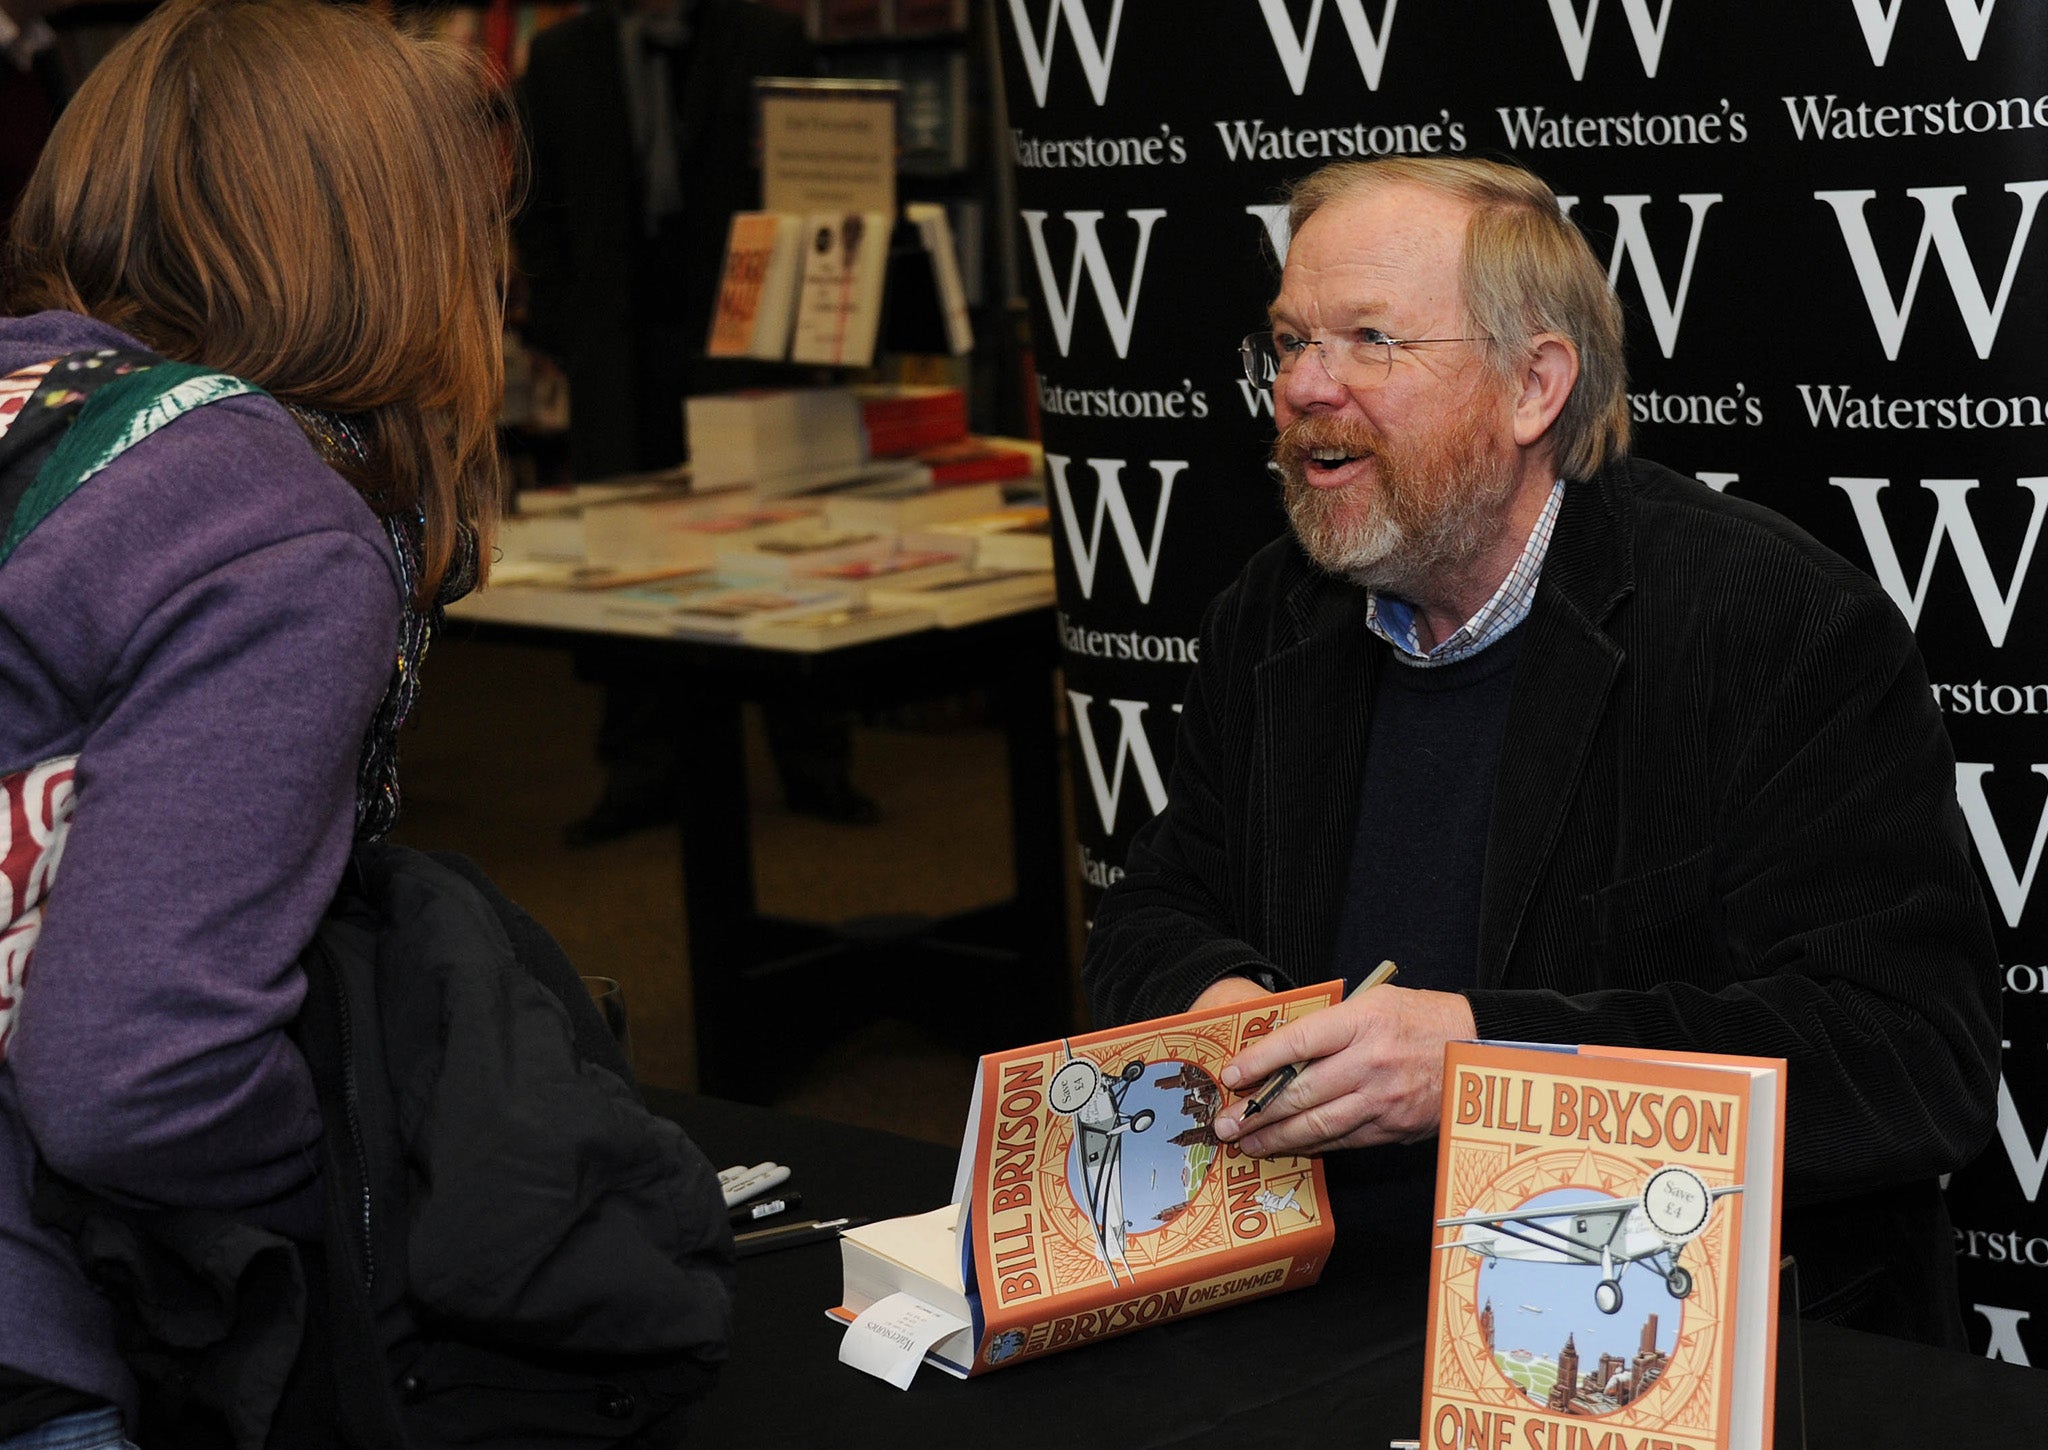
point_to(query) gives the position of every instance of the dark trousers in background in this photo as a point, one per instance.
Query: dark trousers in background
(636, 744)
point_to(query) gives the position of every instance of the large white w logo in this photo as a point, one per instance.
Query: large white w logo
(1132, 744)
(1096, 56)
(1578, 39)
(1666, 310)
(2029, 1165)
(2010, 887)
(1119, 310)
(1141, 559)
(1295, 50)
(2005, 1332)
(1272, 216)
(1877, 20)
(1952, 519)
(1937, 225)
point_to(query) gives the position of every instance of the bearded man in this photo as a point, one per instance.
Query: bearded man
(1594, 753)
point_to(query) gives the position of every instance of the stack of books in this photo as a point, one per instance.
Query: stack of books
(1017, 537)
(979, 460)
(905, 418)
(778, 440)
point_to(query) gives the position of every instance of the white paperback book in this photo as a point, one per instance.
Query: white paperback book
(839, 305)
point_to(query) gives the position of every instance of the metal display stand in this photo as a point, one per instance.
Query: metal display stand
(1789, 1413)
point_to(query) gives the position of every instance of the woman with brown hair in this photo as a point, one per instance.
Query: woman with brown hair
(248, 387)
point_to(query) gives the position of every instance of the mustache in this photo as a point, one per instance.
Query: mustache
(1313, 431)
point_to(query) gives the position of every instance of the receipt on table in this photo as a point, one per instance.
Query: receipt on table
(890, 1337)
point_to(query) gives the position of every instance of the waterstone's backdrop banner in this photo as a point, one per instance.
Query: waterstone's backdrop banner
(1825, 222)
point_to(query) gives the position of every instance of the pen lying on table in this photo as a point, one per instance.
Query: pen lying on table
(789, 1235)
(748, 1213)
(1273, 1086)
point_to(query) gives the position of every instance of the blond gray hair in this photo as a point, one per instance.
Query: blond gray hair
(1526, 270)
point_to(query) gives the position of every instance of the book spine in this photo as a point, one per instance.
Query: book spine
(1013, 1340)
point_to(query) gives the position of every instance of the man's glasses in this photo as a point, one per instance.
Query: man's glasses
(1359, 358)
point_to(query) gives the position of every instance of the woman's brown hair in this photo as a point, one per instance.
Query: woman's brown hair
(296, 194)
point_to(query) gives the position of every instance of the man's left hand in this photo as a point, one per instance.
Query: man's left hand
(1374, 1073)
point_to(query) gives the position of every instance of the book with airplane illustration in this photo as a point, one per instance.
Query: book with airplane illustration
(1093, 1198)
(1606, 1248)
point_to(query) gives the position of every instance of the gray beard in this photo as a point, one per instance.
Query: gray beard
(1428, 520)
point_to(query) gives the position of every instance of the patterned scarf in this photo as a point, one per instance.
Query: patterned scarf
(339, 442)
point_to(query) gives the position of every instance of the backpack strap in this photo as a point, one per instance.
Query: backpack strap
(88, 409)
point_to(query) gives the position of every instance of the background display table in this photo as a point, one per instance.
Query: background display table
(768, 991)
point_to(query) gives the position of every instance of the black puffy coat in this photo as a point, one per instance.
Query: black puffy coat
(518, 1252)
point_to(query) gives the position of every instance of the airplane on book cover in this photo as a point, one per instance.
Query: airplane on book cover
(1608, 1233)
(1082, 1091)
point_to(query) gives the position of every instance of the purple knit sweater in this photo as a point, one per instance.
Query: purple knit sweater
(207, 626)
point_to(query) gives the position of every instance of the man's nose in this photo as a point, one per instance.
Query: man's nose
(1308, 383)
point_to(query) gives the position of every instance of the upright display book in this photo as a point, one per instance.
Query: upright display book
(839, 309)
(1605, 1267)
(1093, 1198)
(757, 289)
(935, 234)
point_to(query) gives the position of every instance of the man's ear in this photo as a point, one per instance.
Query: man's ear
(1541, 385)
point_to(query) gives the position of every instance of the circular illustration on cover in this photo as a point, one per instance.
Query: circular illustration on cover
(1132, 1132)
(1582, 1292)
(1153, 1119)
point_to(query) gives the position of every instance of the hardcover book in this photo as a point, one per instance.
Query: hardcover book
(772, 438)
(839, 309)
(797, 549)
(905, 417)
(901, 505)
(1093, 1198)
(727, 613)
(934, 111)
(963, 595)
(1606, 1253)
(680, 533)
(757, 289)
(833, 627)
(577, 597)
(891, 569)
(1019, 537)
(935, 234)
(981, 459)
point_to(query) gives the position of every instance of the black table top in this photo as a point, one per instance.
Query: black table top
(1340, 1363)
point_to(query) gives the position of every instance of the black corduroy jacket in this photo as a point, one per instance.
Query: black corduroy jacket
(1724, 821)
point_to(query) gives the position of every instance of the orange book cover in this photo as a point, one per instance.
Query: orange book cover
(1096, 1199)
(756, 289)
(1606, 1249)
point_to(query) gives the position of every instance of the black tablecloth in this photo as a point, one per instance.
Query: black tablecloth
(1338, 1364)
